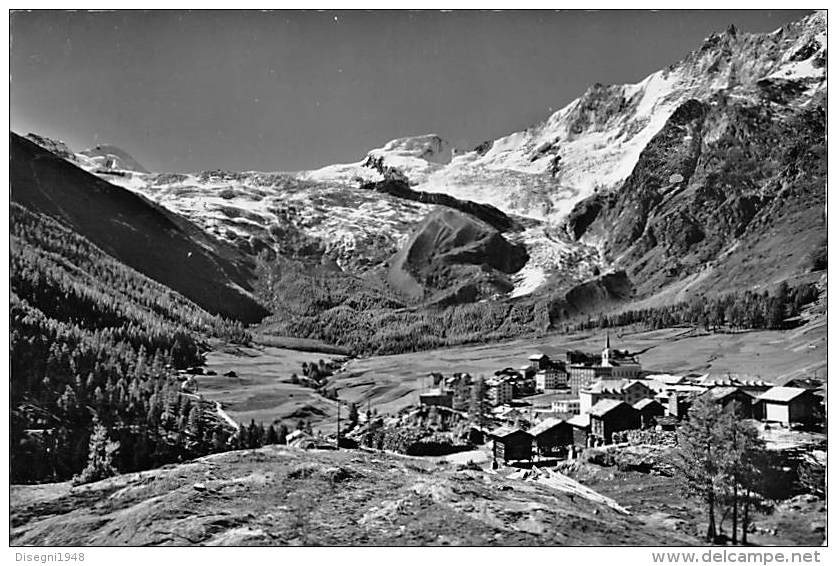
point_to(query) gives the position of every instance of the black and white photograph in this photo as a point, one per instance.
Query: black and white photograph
(419, 277)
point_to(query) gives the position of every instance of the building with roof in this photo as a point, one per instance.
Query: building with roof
(583, 369)
(436, 398)
(569, 406)
(650, 410)
(621, 363)
(611, 415)
(551, 435)
(727, 395)
(511, 444)
(788, 405)
(629, 391)
(581, 429)
(499, 390)
(550, 378)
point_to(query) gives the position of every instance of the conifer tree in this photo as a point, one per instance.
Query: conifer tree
(100, 457)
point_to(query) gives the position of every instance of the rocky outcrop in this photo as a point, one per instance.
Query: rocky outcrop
(485, 212)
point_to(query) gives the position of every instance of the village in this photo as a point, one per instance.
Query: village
(555, 409)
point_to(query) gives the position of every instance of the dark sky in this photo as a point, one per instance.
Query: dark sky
(187, 91)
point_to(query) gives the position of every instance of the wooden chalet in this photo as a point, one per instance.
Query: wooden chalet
(511, 444)
(551, 435)
(609, 416)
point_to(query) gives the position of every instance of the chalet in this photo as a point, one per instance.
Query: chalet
(552, 434)
(581, 429)
(788, 405)
(611, 415)
(629, 391)
(436, 398)
(725, 396)
(511, 444)
(650, 411)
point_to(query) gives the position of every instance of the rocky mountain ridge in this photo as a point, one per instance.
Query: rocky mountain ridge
(551, 178)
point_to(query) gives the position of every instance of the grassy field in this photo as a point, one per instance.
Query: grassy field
(258, 391)
(388, 383)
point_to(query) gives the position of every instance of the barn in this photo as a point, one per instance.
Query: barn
(609, 416)
(511, 444)
(788, 405)
(551, 435)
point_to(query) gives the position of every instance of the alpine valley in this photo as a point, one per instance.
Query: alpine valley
(687, 211)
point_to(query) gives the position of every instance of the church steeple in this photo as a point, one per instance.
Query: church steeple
(606, 351)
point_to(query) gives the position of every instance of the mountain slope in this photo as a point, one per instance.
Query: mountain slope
(94, 341)
(454, 257)
(149, 238)
(730, 190)
(284, 496)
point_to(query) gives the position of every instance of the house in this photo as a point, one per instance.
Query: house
(788, 405)
(499, 390)
(511, 444)
(611, 415)
(650, 412)
(629, 391)
(552, 434)
(727, 395)
(581, 429)
(436, 398)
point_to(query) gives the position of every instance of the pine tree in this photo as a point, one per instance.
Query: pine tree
(100, 457)
(697, 459)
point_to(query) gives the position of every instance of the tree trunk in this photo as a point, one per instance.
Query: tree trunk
(735, 513)
(710, 530)
(745, 521)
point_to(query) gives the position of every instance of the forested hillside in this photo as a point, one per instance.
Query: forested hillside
(93, 340)
(156, 242)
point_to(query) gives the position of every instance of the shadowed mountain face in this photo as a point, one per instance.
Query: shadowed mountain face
(455, 257)
(142, 235)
